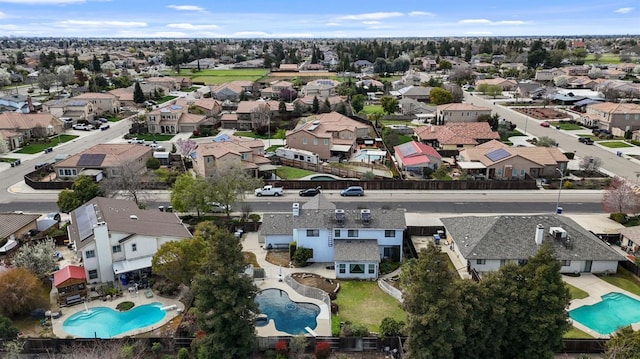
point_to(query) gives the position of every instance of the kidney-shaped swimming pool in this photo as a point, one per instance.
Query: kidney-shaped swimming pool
(103, 322)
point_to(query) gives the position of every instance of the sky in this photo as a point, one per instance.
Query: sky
(315, 19)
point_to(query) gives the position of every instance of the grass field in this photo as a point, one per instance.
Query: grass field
(576, 293)
(166, 98)
(369, 109)
(216, 77)
(566, 126)
(292, 173)
(605, 59)
(365, 303)
(623, 279)
(614, 144)
(39, 147)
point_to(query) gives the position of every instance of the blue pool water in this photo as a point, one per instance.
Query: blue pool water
(288, 316)
(614, 311)
(103, 322)
(363, 156)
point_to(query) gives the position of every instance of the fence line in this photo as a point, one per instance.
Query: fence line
(310, 292)
(391, 290)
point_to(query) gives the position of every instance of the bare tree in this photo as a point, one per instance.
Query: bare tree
(4, 145)
(39, 131)
(261, 116)
(229, 186)
(65, 74)
(46, 79)
(5, 77)
(130, 183)
(105, 349)
(620, 197)
(456, 91)
(590, 164)
(461, 75)
(185, 147)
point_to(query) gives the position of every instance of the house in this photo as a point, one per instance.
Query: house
(495, 160)
(275, 88)
(328, 135)
(529, 89)
(107, 158)
(174, 119)
(231, 90)
(171, 83)
(630, 239)
(547, 75)
(288, 67)
(415, 156)
(14, 103)
(15, 226)
(205, 106)
(579, 70)
(77, 110)
(456, 136)
(306, 102)
(115, 238)
(412, 107)
(20, 127)
(370, 84)
(609, 115)
(412, 92)
(505, 85)
(488, 243)
(229, 153)
(354, 241)
(461, 112)
(102, 102)
(429, 64)
(124, 95)
(71, 284)
(320, 88)
(12, 140)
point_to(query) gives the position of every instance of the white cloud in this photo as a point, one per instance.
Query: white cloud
(168, 34)
(421, 13)
(192, 26)
(98, 23)
(44, 2)
(492, 23)
(2, 15)
(9, 27)
(251, 33)
(371, 16)
(478, 33)
(186, 7)
(371, 22)
(624, 10)
(474, 21)
(333, 24)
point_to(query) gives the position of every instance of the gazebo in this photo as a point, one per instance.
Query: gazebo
(71, 284)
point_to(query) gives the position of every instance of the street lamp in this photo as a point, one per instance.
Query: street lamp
(558, 208)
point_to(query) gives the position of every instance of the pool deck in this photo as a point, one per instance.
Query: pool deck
(138, 298)
(596, 288)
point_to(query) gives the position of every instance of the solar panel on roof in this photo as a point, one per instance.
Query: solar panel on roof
(407, 149)
(498, 154)
(91, 159)
(86, 218)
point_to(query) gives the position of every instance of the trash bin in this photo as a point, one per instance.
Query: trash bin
(161, 208)
(559, 210)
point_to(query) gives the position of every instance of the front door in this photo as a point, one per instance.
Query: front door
(587, 266)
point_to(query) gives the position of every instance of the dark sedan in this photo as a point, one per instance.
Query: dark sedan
(310, 192)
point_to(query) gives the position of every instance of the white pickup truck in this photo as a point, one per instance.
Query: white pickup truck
(269, 191)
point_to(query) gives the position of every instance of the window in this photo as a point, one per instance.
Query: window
(356, 268)
(93, 274)
(352, 233)
(326, 142)
(389, 233)
(336, 233)
(304, 141)
(245, 156)
(315, 141)
(565, 263)
(209, 159)
(341, 268)
(514, 172)
(134, 247)
(90, 253)
(481, 261)
(521, 173)
(116, 249)
(313, 233)
(372, 269)
(499, 172)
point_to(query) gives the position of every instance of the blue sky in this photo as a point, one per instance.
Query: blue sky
(328, 18)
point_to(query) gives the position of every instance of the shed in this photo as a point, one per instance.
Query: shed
(71, 283)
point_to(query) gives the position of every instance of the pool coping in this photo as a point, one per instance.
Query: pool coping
(139, 298)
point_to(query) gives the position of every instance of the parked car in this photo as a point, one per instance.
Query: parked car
(545, 124)
(269, 191)
(310, 192)
(585, 140)
(102, 120)
(39, 165)
(352, 191)
(81, 127)
(215, 207)
(104, 127)
(136, 140)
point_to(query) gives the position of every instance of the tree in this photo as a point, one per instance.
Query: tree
(326, 107)
(625, 343)
(7, 330)
(95, 64)
(444, 65)
(462, 75)
(106, 349)
(38, 258)
(5, 77)
(434, 326)
(46, 79)
(357, 102)
(230, 185)
(180, 261)
(130, 183)
(494, 121)
(546, 141)
(261, 118)
(389, 104)
(561, 81)
(21, 292)
(590, 165)
(188, 193)
(282, 108)
(138, 95)
(389, 327)
(287, 94)
(186, 147)
(225, 298)
(65, 74)
(315, 106)
(537, 54)
(456, 91)
(82, 190)
(620, 197)
(439, 96)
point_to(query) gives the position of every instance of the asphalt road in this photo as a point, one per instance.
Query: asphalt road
(568, 143)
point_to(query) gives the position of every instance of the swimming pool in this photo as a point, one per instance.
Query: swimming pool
(103, 322)
(614, 311)
(368, 156)
(288, 316)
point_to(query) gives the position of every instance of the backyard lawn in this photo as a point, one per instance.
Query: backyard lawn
(607, 58)
(365, 303)
(151, 137)
(576, 293)
(614, 144)
(370, 109)
(167, 98)
(216, 77)
(623, 279)
(292, 173)
(40, 147)
(575, 333)
(567, 126)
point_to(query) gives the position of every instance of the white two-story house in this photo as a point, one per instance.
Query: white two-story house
(355, 241)
(116, 239)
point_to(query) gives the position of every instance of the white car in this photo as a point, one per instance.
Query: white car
(81, 127)
(216, 207)
(136, 140)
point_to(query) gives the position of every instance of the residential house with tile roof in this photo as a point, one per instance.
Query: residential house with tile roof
(505, 85)
(610, 115)
(18, 128)
(107, 158)
(415, 157)
(275, 88)
(232, 152)
(322, 88)
(410, 106)
(328, 134)
(124, 95)
(104, 103)
(461, 112)
(547, 75)
(171, 83)
(174, 119)
(231, 90)
(306, 102)
(456, 135)
(207, 106)
(495, 160)
(486, 243)
(354, 241)
(249, 116)
(114, 237)
(76, 110)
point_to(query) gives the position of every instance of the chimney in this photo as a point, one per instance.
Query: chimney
(296, 209)
(539, 234)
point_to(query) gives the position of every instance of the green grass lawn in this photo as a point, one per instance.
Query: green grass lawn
(575, 333)
(40, 147)
(273, 148)
(406, 123)
(215, 77)
(566, 125)
(8, 160)
(370, 109)
(404, 139)
(607, 58)
(576, 293)
(292, 173)
(167, 98)
(623, 279)
(250, 134)
(614, 144)
(365, 303)
(151, 137)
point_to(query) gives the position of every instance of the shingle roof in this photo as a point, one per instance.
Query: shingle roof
(12, 222)
(357, 250)
(543, 156)
(513, 237)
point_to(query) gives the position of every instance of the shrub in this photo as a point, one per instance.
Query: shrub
(567, 184)
(153, 163)
(619, 217)
(570, 155)
(281, 347)
(302, 255)
(124, 306)
(183, 353)
(270, 354)
(389, 327)
(7, 330)
(323, 350)
(292, 249)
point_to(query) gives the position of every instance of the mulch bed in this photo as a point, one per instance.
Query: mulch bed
(316, 281)
(542, 113)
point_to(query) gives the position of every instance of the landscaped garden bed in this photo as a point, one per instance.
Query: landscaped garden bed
(542, 113)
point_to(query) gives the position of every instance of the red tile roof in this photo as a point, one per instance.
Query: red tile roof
(420, 153)
(68, 272)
